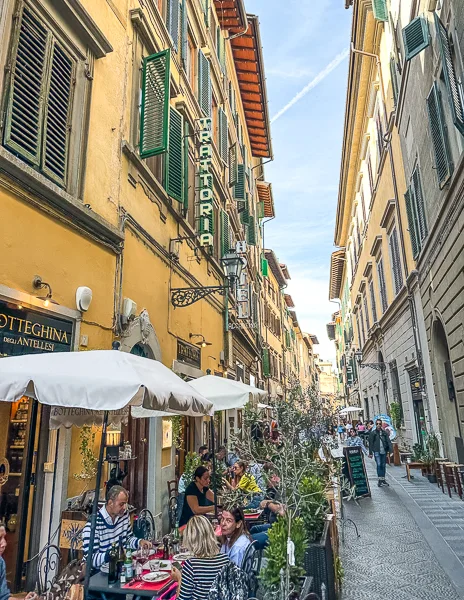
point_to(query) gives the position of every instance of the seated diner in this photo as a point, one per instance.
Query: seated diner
(246, 483)
(199, 499)
(235, 538)
(113, 525)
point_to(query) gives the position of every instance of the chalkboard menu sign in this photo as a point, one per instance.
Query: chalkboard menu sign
(356, 471)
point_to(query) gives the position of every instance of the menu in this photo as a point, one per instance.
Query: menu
(357, 471)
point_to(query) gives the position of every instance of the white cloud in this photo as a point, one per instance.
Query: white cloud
(313, 83)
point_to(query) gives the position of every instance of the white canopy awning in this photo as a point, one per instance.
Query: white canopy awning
(99, 380)
(351, 409)
(226, 394)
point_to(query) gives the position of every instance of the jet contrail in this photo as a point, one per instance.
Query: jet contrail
(312, 84)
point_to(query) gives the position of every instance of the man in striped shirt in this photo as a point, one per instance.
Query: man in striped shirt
(113, 526)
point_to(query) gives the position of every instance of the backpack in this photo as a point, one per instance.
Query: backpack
(231, 583)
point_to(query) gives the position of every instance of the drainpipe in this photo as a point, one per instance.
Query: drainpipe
(412, 307)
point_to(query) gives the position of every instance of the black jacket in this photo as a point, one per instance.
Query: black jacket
(379, 437)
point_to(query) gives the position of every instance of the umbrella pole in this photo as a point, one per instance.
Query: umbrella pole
(93, 521)
(213, 457)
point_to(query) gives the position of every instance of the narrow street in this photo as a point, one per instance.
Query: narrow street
(411, 543)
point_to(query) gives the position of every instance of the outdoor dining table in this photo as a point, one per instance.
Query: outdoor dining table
(99, 584)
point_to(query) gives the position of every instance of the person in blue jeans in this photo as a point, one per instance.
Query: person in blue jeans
(259, 533)
(380, 446)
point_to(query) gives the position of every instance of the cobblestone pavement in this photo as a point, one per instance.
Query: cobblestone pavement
(401, 553)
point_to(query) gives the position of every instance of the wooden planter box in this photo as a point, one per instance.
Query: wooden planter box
(319, 564)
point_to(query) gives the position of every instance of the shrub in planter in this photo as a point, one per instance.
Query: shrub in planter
(313, 506)
(276, 552)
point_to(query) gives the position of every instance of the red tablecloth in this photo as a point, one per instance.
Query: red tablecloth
(151, 587)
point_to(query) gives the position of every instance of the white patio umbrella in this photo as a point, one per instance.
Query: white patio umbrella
(99, 380)
(226, 394)
(351, 409)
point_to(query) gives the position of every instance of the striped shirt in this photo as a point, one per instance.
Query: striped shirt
(198, 575)
(108, 533)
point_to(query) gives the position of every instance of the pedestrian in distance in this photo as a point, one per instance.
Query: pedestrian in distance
(380, 446)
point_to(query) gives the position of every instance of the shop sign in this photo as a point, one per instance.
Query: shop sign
(67, 416)
(189, 354)
(26, 331)
(205, 177)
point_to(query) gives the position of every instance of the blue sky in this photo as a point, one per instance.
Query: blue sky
(300, 39)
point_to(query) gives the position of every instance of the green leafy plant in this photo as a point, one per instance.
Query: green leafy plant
(314, 505)
(417, 452)
(192, 461)
(339, 570)
(276, 551)
(177, 432)
(88, 460)
(396, 414)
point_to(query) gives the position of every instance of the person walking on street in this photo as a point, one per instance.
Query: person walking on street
(379, 446)
(355, 440)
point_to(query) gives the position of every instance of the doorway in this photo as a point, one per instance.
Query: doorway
(448, 409)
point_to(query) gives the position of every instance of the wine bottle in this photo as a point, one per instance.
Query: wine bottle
(113, 566)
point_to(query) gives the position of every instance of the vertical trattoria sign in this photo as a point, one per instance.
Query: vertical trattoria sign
(205, 228)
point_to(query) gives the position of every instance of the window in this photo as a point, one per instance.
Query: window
(439, 134)
(154, 115)
(366, 312)
(373, 304)
(379, 8)
(394, 79)
(382, 286)
(358, 235)
(363, 331)
(416, 36)
(190, 63)
(369, 172)
(415, 211)
(358, 326)
(172, 21)
(380, 134)
(204, 84)
(363, 206)
(395, 261)
(40, 101)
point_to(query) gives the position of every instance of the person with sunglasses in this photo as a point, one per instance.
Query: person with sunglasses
(380, 446)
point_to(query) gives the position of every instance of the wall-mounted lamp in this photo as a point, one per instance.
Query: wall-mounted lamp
(83, 298)
(39, 284)
(203, 343)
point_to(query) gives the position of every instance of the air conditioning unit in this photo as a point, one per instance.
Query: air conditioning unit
(241, 247)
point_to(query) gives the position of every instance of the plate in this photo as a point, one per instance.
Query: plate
(138, 553)
(182, 556)
(155, 577)
(105, 568)
(167, 565)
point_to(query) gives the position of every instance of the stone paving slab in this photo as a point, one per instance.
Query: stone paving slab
(406, 532)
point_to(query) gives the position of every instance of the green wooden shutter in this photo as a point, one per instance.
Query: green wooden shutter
(174, 162)
(225, 233)
(251, 232)
(245, 213)
(186, 166)
(260, 210)
(184, 34)
(373, 303)
(239, 189)
(172, 21)
(24, 119)
(419, 205)
(205, 5)
(439, 135)
(264, 267)
(233, 165)
(266, 363)
(223, 135)
(412, 222)
(287, 338)
(394, 79)
(396, 261)
(58, 116)
(379, 8)
(154, 116)
(382, 286)
(204, 84)
(452, 85)
(416, 37)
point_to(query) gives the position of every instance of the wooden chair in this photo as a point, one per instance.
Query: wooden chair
(457, 471)
(173, 488)
(439, 476)
(449, 477)
(146, 524)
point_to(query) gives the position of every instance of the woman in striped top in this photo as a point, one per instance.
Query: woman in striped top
(199, 573)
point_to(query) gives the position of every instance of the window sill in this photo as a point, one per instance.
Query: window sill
(34, 188)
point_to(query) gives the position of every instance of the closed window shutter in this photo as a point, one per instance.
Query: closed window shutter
(57, 116)
(439, 135)
(204, 84)
(154, 116)
(172, 21)
(361, 320)
(382, 286)
(251, 231)
(174, 163)
(379, 7)
(394, 79)
(264, 267)
(396, 261)
(233, 165)
(225, 233)
(452, 84)
(419, 205)
(245, 213)
(223, 135)
(412, 222)
(266, 363)
(373, 304)
(221, 49)
(205, 5)
(416, 37)
(184, 34)
(24, 122)
(239, 189)
(260, 210)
